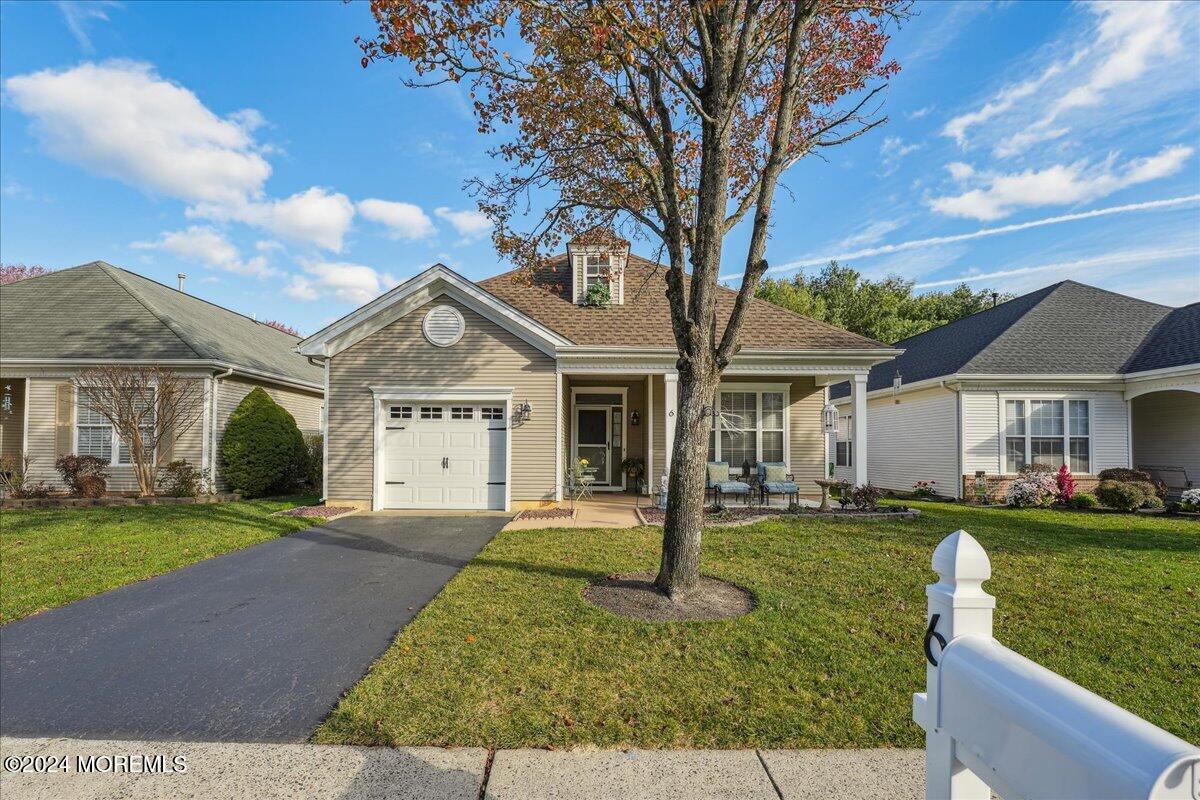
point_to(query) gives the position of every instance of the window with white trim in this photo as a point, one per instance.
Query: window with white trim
(748, 427)
(1049, 432)
(464, 413)
(844, 446)
(491, 412)
(96, 436)
(431, 412)
(400, 412)
(597, 268)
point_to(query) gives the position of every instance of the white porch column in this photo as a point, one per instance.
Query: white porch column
(858, 396)
(651, 477)
(671, 404)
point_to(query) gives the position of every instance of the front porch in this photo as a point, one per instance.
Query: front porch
(622, 424)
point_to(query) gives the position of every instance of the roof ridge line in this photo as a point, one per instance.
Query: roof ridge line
(114, 273)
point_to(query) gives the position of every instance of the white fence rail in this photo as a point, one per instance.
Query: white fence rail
(995, 720)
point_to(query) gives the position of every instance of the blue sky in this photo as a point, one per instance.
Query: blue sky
(243, 144)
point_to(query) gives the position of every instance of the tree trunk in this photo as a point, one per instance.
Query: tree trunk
(679, 573)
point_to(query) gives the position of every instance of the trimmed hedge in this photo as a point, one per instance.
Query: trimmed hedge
(1125, 495)
(263, 452)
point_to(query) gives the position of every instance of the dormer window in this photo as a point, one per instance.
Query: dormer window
(598, 267)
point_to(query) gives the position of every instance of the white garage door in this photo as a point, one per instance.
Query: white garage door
(445, 455)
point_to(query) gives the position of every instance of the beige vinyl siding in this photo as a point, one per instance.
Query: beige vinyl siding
(981, 432)
(807, 432)
(398, 355)
(189, 445)
(1166, 431)
(916, 439)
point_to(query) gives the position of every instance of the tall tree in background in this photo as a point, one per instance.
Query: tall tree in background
(885, 309)
(669, 120)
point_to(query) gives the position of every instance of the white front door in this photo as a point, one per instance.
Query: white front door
(444, 455)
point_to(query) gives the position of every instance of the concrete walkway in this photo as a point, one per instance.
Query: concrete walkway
(604, 510)
(276, 771)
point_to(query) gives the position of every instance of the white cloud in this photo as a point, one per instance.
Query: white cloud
(121, 120)
(892, 151)
(354, 283)
(960, 171)
(316, 216)
(212, 248)
(868, 234)
(469, 224)
(1060, 184)
(77, 14)
(1006, 99)
(1140, 257)
(403, 220)
(935, 241)
(921, 113)
(1124, 57)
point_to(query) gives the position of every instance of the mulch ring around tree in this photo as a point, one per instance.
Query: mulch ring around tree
(637, 597)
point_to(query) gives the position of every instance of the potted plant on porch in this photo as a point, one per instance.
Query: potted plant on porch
(635, 468)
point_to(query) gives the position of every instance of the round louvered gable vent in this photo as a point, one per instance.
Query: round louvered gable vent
(443, 326)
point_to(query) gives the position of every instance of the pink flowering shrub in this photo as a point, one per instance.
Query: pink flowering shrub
(1033, 488)
(1066, 484)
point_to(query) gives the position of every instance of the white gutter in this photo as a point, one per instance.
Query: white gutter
(216, 379)
(51, 363)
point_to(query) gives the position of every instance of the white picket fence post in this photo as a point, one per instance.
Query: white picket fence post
(962, 607)
(994, 720)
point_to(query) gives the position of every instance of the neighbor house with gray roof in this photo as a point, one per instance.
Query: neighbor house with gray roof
(1066, 374)
(53, 326)
(451, 393)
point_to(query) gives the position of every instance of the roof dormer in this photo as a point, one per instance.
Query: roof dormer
(598, 259)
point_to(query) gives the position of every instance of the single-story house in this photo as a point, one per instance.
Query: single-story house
(449, 393)
(1069, 373)
(53, 326)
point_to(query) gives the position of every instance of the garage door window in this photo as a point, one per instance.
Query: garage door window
(491, 412)
(431, 412)
(466, 413)
(400, 412)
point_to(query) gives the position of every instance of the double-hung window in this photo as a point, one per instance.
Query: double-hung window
(1048, 432)
(748, 427)
(95, 435)
(844, 447)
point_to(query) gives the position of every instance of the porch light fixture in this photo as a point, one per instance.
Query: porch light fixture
(829, 416)
(524, 411)
(635, 418)
(897, 379)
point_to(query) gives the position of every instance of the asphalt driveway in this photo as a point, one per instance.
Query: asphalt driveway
(255, 645)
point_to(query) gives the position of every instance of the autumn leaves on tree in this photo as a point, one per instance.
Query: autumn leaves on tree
(671, 122)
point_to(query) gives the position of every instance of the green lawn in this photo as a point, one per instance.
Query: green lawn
(49, 557)
(510, 655)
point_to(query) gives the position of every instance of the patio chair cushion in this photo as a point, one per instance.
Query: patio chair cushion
(773, 473)
(717, 471)
(781, 487)
(733, 487)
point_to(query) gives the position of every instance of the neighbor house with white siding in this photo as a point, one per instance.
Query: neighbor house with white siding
(53, 326)
(449, 393)
(1067, 374)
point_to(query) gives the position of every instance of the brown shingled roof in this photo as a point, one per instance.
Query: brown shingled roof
(644, 320)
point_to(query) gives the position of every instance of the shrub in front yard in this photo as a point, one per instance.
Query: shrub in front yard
(866, 497)
(1037, 486)
(1190, 500)
(1066, 484)
(1083, 500)
(1133, 476)
(182, 479)
(83, 475)
(1125, 495)
(924, 489)
(263, 451)
(316, 461)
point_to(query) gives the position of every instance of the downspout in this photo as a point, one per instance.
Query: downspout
(959, 493)
(213, 450)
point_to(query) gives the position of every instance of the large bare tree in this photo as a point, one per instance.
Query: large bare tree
(148, 407)
(670, 120)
